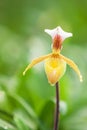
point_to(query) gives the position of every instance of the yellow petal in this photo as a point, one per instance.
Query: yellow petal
(55, 69)
(73, 65)
(36, 61)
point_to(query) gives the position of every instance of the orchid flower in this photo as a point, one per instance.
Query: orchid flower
(55, 63)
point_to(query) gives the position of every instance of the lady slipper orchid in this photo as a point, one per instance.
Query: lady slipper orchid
(55, 63)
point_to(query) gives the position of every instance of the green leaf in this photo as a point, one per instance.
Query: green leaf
(20, 124)
(6, 116)
(6, 125)
(28, 109)
(47, 115)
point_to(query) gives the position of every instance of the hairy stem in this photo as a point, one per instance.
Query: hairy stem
(56, 120)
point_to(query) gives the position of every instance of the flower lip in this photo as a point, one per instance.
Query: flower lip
(58, 31)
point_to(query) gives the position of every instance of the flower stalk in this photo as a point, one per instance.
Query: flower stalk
(56, 119)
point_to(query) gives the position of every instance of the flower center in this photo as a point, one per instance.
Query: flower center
(57, 43)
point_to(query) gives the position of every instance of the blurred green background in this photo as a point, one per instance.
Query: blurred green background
(28, 103)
